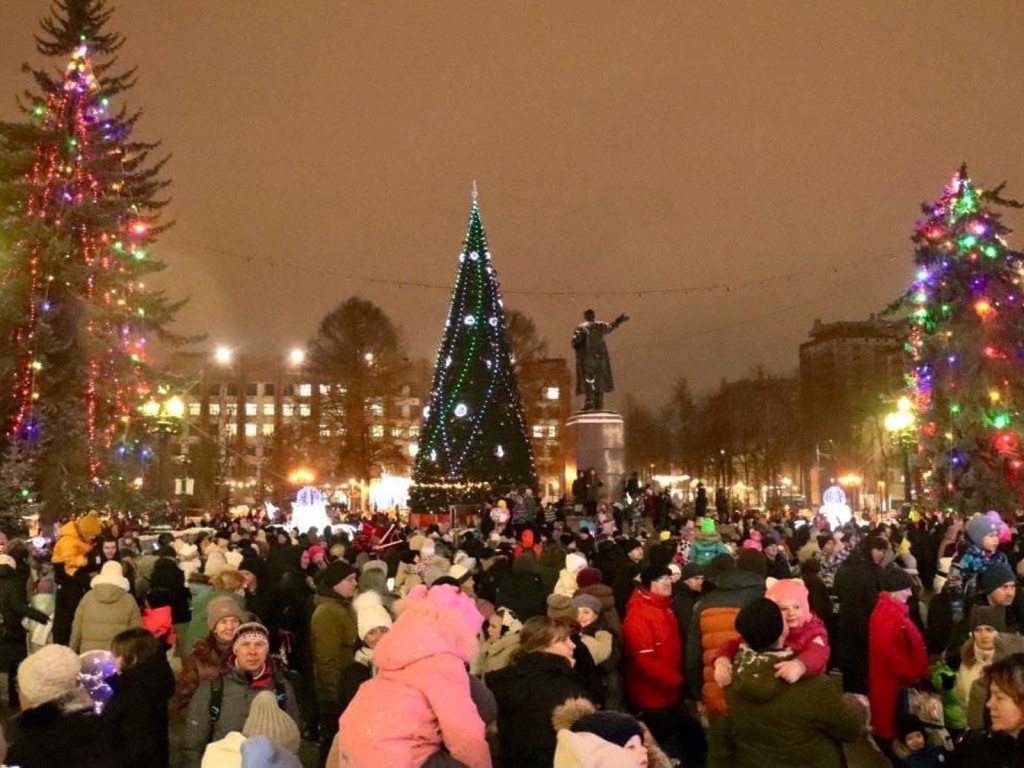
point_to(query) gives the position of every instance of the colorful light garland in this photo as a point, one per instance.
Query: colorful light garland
(967, 350)
(473, 436)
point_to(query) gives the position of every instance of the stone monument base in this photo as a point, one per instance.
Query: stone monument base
(600, 442)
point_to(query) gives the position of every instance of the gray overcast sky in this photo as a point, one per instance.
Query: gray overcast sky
(629, 147)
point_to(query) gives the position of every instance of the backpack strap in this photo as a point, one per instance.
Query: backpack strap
(280, 691)
(216, 698)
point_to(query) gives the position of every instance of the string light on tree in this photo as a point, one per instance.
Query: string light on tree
(473, 439)
(967, 351)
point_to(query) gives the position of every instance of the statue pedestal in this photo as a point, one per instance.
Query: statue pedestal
(600, 442)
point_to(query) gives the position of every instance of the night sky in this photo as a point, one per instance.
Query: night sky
(632, 157)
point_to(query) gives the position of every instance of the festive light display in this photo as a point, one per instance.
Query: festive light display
(967, 352)
(473, 438)
(87, 221)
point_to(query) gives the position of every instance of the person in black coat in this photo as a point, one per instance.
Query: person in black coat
(857, 585)
(57, 726)
(540, 678)
(13, 608)
(167, 587)
(523, 592)
(135, 719)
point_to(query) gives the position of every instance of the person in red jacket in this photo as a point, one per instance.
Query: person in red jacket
(896, 652)
(654, 661)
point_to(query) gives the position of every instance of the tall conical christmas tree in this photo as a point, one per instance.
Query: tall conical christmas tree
(79, 312)
(967, 351)
(473, 440)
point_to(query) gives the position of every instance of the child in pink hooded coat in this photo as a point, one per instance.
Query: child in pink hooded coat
(420, 700)
(807, 637)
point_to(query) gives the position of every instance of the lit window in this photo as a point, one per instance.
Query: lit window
(377, 431)
(538, 430)
(552, 430)
(215, 409)
(250, 430)
(231, 429)
(414, 448)
(232, 409)
(195, 409)
(396, 431)
(287, 409)
(305, 410)
(325, 432)
(305, 390)
(268, 429)
(268, 409)
(250, 409)
(376, 409)
(324, 389)
(414, 431)
(551, 393)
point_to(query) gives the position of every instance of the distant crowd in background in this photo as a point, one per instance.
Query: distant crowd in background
(584, 633)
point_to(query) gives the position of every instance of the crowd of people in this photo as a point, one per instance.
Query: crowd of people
(545, 635)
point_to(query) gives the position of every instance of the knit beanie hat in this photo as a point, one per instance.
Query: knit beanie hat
(907, 724)
(370, 613)
(48, 673)
(221, 608)
(707, 526)
(587, 577)
(261, 752)
(371, 565)
(988, 616)
(630, 544)
(575, 562)
(111, 573)
(460, 573)
(587, 601)
(980, 526)
(789, 590)
(752, 561)
(652, 573)
(561, 607)
(895, 579)
(994, 577)
(722, 563)
(691, 570)
(249, 631)
(615, 727)
(759, 623)
(89, 526)
(266, 718)
(335, 573)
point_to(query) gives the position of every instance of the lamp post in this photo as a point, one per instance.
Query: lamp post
(900, 424)
(165, 415)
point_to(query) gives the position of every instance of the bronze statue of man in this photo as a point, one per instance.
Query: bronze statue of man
(593, 368)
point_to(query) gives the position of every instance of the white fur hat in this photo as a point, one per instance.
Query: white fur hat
(575, 562)
(111, 573)
(48, 673)
(370, 613)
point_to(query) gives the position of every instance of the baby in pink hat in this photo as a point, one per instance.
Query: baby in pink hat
(807, 637)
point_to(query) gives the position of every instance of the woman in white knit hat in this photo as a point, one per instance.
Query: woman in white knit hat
(57, 725)
(106, 609)
(372, 622)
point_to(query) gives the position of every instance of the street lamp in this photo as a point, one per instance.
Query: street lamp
(165, 415)
(900, 425)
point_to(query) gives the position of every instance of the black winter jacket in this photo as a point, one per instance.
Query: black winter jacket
(527, 693)
(60, 732)
(136, 717)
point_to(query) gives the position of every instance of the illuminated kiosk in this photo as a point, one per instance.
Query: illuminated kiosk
(834, 507)
(600, 442)
(309, 510)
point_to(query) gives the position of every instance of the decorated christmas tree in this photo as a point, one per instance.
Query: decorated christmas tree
(473, 440)
(77, 311)
(967, 351)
